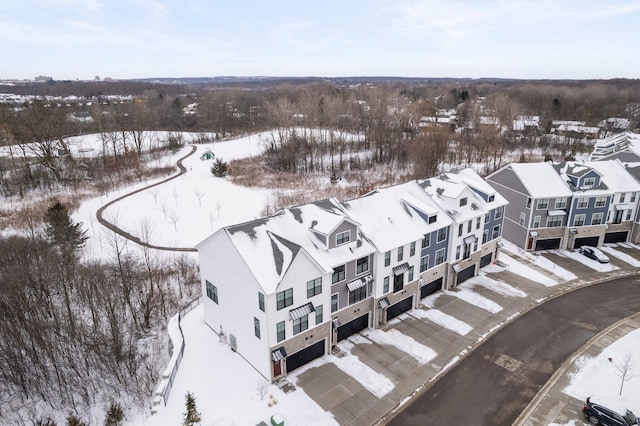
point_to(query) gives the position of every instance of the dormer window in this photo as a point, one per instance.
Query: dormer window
(343, 237)
(491, 198)
(590, 181)
(463, 201)
(433, 218)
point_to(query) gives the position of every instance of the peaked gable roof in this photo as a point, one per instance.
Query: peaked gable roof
(541, 180)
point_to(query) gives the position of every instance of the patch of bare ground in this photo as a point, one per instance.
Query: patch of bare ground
(292, 189)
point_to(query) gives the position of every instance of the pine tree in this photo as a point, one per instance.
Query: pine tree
(61, 231)
(191, 416)
(220, 168)
(115, 415)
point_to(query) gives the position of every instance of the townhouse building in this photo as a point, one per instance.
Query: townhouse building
(567, 205)
(284, 289)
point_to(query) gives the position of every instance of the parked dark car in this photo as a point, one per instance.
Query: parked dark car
(594, 253)
(598, 414)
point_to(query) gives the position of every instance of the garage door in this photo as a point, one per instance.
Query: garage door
(304, 356)
(400, 307)
(586, 241)
(352, 327)
(615, 237)
(486, 260)
(465, 274)
(548, 244)
(430, 288)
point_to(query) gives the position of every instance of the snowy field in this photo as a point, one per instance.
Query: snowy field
(229, 391)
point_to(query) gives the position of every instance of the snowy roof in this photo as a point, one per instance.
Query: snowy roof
(541, 180)
(578, 169)
(615, 175)
(396, 215)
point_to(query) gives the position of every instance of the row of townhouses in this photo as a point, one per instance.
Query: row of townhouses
(284, 289)
(570, 204)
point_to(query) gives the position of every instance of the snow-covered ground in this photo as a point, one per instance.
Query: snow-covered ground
(186, 210)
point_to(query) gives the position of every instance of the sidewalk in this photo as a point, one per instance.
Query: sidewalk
(352, 404)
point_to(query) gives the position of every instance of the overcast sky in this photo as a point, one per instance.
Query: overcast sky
(79, 39)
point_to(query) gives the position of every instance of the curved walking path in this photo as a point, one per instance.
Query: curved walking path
(131, 237)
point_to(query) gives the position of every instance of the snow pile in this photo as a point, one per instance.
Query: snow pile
(420, 352)
(474, 298)
(374, 382)
(443, 320)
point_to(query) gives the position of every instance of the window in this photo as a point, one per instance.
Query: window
(261, 301)
(475, 245)
(410, 276)
(485, 236)
(622, 196)
(357, 295)
(398, 283)
(469, 225)
(554, 221)
(579, 220)
(334, 302)
(496, 232)
(284, 298)
(440, 256)
(212, 291)
(522, 218)
(491, 198)
(280, 333)
(543, 204)
(433, 218)
(478, 222)
(300, 324)
(387, 258)
(385, 285)
(424, 263)
(412, 249)
(256, 327)
(528, 202)
(442, 235)
(338, 274)
(590, 181)
(487, 217)
(400, 253)
(460, 228)
(582, 203)
(633, 197)
(426, 241)
(601, 201)
(536, 221)
(457, 252)
(362, 265)
(628, 217)
(498, 213)
(314, 287)
(561, 203)
(596, 219)
(463, 201)
(318, 314)
(343, 237)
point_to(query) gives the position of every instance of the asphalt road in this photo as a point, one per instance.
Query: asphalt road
(494, 384)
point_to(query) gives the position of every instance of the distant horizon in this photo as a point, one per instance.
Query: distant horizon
(128, 40)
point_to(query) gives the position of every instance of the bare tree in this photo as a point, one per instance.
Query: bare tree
(625, 369)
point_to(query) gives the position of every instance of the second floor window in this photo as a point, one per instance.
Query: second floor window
(256, 327)
(385, 285)
(536, 221)
(579, 220)
(387, 258)
(554, 221)
(284, 298)
(561, 203)
(343, 237)
(596, 219)
(300, 324)
(496, 232)
(523, 217)
(261, 301)
(440, 256)
(357, 295)
(338, 274)
(424, 263)
(400, 253)
(412, 249)
(498, 213)
(280, 333)
(362, 265)
(601, 201)
(334, 302)
(426, 241)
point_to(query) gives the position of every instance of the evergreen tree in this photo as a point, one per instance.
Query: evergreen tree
(73, 420)
(115, 415)
(191, 416)
(220, 168)
(62, 232)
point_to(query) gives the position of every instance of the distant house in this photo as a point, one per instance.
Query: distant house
(623, 146)
(614, 125)
(285, 289)
(526, 124)
(574, 129)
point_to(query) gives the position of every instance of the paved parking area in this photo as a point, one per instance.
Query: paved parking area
(352, 404)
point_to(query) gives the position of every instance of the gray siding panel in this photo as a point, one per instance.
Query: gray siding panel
(344, 226)
(434, 247)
